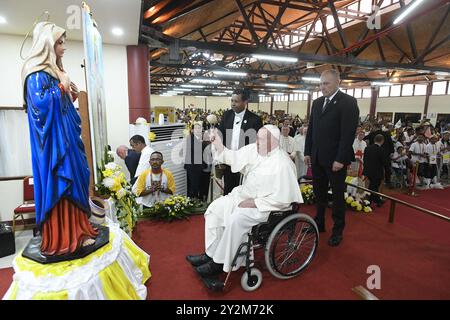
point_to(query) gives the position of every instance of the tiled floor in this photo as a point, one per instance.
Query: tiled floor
(22, 237)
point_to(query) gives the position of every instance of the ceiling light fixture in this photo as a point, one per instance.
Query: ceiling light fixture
(117, 31)
(274, 58)
(407, 11)
(196, 86)
(281, 85)
(312, 79)
(202, 80)
(2, 20)
(230, 73)
(381, 84)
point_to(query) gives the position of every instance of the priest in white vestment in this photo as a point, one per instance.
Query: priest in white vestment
(287, 142)
(299, 150)
(269, 184)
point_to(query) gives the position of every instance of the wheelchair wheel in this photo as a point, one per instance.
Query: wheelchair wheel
(252, 283)
(291, 246)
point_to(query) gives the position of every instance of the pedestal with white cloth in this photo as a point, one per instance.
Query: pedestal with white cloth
(117, 271)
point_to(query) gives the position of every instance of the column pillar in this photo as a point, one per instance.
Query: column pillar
(271, 105)
(308, 106)
(427, 99)
(287, 106)
(138, 83)
(373, 102)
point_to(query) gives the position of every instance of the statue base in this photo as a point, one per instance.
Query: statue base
(33, 249)
(117, 271)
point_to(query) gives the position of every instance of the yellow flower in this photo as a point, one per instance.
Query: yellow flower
(349, 200)
(354, 203)
(367, 209)
(117, 185)
(107, 173)
(359, 207)
(151, 136)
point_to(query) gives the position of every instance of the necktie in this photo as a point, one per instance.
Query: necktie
(326, 104)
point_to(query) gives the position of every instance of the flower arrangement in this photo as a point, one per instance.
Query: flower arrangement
(115, 186)
(307, 193)
(357, 203)
(174, 207)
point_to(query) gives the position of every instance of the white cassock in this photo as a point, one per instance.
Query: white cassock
(270, 180)
(299, 149)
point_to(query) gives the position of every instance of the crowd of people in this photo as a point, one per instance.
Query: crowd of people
(404, 145)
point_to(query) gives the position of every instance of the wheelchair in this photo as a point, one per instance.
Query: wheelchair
(290, 241)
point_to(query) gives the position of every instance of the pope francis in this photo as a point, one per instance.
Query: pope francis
(269, 184)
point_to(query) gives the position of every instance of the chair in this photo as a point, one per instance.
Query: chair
(28, 206)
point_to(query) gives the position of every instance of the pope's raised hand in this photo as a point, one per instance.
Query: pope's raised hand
(216, 139)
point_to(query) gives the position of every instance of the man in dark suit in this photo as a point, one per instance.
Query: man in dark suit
(131, 159)
(195, 164)
(239, 127)
(329, 149)
(387, 146)
(374, 163)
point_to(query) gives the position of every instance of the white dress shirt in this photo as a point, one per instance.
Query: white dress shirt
(238, 119)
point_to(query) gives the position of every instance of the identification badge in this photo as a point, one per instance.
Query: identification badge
(446, 158)
(433, 159)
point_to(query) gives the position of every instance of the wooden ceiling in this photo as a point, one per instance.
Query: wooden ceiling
(416, 50)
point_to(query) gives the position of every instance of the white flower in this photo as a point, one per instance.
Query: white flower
(111, 166)
(108, 182)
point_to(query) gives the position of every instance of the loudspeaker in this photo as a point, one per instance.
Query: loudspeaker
(7, 242)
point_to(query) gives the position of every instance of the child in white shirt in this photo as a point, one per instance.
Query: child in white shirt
(433, 151)
(417, 151)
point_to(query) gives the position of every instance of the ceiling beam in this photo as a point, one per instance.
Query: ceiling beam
(247, 22)
(275, 22)
(151, 34)
(337, 23)
(189, 10)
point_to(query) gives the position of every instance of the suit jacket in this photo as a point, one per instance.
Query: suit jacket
(194, 153)
(250, 121)
(331, 133)
(132, 162)
(388, 144)
(374, 162)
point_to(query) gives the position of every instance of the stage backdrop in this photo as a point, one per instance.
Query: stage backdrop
(94, 85)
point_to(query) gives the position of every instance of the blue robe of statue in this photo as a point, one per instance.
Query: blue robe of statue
(60, 167)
